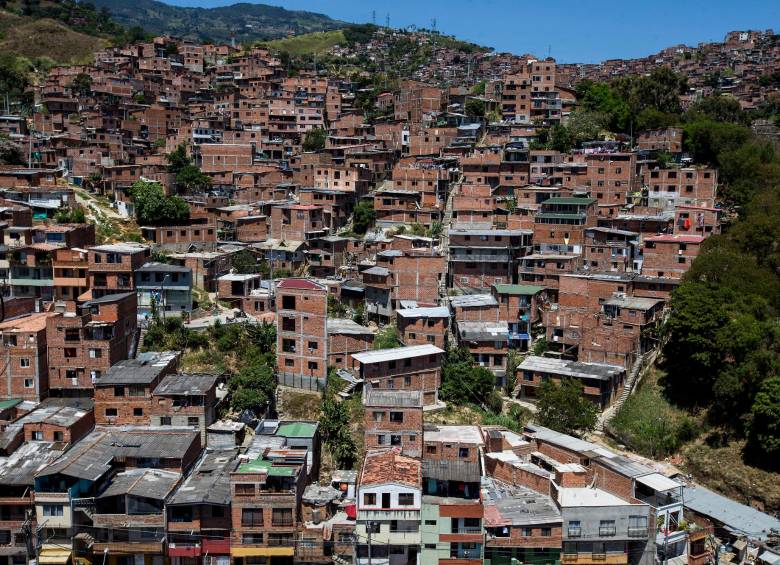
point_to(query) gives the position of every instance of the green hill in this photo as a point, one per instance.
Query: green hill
(245, 22)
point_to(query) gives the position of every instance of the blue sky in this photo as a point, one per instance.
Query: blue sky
(570, 30)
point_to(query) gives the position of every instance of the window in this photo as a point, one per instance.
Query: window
(288, 302)
(395, 440)
(528, 532)
(119, 391)
(165, 420)
(369, 499)
(405, 499)
(288, 345)
(637, 526)
(313, 365)
(252, 539)
(28, 383)
(53, 510)
(574, 529)
(396, 417)
(430, 449)
(245, 489)
(37, 436)
(607, 528)
(111, 412)
(463, 452)
(24, 363)
(252, 517)
(546, 532)
(138, 412)
(58, 436)
(193, 421)
(313, 345)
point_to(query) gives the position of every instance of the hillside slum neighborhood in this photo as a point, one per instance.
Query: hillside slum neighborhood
(116, 455)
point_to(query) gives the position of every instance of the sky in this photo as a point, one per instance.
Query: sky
(572, 31)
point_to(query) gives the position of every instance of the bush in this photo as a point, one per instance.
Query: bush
(562, 407)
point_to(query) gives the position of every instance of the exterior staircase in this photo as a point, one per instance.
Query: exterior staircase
(645, 360)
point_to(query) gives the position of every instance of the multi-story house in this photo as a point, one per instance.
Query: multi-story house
(520, 524)
(198, 512)
(112, 267)
(302, 338)
(418, 326)
(601, 383)
(452, 510)
(25, 373)
(480, 258)
(66, 490)
(416, 367)
(669, 255)
(186, 400)
(266, 488)
(346, 337)
(393, 418)
(128, 516)
(71, 278)
(123, 395)
(165, 290)
(87, 339)
(389, 500)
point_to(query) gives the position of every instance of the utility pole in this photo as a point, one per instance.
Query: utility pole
(369, 526)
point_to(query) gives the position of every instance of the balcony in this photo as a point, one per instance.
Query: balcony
(216, 546)
(607, 531)
(574, 533)
(637, 532)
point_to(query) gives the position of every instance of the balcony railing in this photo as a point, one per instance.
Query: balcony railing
(607, 531)
(637, 532)
(575, 532)
(467, 530)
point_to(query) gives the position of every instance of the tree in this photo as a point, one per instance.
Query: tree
(562, 407)
(154, 208)
(314, 140)
(81, 84)
(10, 153)
(463, 382)
(178, 159)
(75, 215)
(387, 338)
(335, 432)
(513, 360)
(245, 262)
(764, 425)
(475, 108)
(191, 179)
(363, 216)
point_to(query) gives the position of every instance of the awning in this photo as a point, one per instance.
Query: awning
(261, 551)
(658, 482)
(54, 555)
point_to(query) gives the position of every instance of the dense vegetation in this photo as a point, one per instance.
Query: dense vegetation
(244, 22)
(154, 208)
(722, 354)
(243, 352)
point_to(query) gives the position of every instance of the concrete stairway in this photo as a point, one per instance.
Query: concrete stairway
(644, 361)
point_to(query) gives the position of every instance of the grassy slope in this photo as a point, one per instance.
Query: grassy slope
(309, 43)
(647, 424)
(45, 37)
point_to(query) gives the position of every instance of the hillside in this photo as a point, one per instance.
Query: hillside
(246, 22)
(45, 37)
(309, 43)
